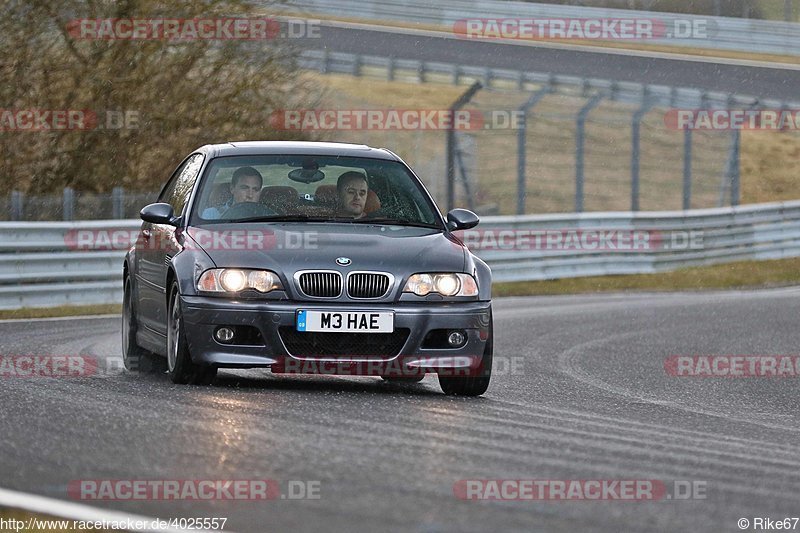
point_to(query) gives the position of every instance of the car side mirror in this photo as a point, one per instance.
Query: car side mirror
(459, 219)
(158, 214)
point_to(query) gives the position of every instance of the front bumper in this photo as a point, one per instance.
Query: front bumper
(203, 315)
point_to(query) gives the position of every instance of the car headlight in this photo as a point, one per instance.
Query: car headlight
(223, 280)
(444, 284)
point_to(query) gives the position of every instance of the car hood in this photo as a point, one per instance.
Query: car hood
(290, 247)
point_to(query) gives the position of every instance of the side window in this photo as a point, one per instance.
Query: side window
(180, 186)
(169, 188)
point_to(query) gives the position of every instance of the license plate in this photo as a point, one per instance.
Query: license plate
(345, 322)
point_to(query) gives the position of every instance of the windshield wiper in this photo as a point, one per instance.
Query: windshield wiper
(307, 218)
(395, 222)
(282, 218)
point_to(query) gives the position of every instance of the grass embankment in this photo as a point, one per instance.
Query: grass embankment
(741, 275)
(67, 310)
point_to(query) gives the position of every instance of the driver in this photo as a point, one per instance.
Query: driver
(352, 189)
(246, 185)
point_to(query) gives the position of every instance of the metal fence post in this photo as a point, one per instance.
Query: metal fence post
(459, 154)
(522, 133)
(68, 204)
(730, 177)
(687, 168)
(703, 106)
(390, 69)
(17, 205)
(732, 172)
(451, 142)
(638, 116)
(118, 203)
(586, 86)
(736, 166)
(580, 139)
(326, 61)
(673, 96)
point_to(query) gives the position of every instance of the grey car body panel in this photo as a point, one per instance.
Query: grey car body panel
(398, 250)
(420, 317)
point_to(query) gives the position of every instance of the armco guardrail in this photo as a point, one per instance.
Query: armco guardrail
(39, 266)
(724, 33)
(674, 240)
(43, 265)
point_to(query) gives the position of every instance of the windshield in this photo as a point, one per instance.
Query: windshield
(310, 188)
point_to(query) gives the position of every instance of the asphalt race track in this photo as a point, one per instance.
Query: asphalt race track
(580, 393)
(759, 81)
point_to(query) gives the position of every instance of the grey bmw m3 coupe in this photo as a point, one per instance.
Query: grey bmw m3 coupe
(305, 257)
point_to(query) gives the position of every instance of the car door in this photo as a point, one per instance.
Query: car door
(160, 245)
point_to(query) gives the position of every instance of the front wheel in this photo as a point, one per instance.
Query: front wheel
(180, 367)
(134, 357)
(477, 384)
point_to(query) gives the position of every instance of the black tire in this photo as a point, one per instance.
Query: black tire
(180, 367)
(134, 357)
(476, 384)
